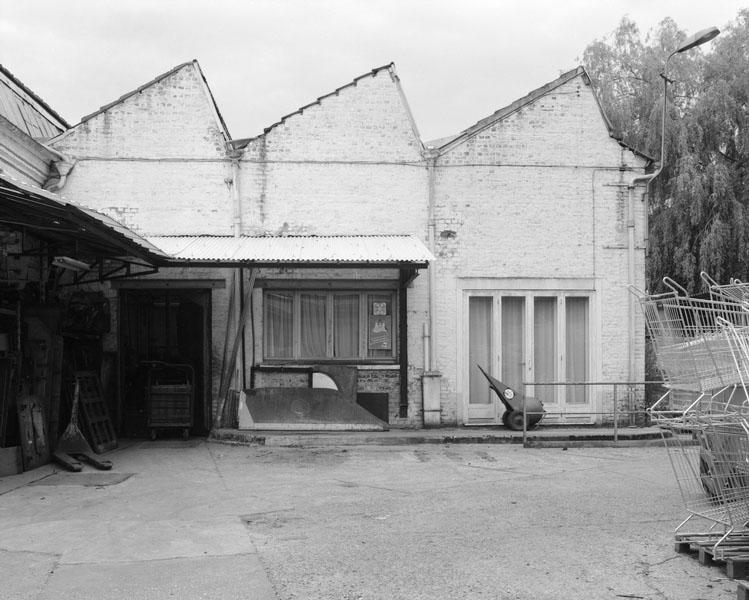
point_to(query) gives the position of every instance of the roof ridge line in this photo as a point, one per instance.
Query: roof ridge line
(318, 100)
(514, 106)
(137, 90)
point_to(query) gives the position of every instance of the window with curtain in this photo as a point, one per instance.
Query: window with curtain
(545, 345)
(480, 310)
(345, 325)
(313, 327)
(577, 348)
(513, 342)
(329, 325)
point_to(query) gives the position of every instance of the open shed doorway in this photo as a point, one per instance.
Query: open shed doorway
(160, 329)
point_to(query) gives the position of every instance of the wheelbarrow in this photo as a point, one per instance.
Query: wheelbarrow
(513, 416)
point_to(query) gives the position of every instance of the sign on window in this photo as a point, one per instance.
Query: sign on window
(380, 327)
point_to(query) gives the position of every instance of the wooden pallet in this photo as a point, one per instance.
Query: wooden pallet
(95, 413)
(733, 551)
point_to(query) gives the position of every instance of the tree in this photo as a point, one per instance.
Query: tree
(699, 209)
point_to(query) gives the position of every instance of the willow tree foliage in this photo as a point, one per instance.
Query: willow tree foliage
(699, 206)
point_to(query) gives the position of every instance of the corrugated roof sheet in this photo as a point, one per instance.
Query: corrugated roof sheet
(365, 249)
(26, 205)
(26, 110)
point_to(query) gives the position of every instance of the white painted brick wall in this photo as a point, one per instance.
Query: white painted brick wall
(546, 206)
(172, 118)
(156, 161)
(350, 165)
(536, 196)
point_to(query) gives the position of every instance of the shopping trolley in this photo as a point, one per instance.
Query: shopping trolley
(713, 479)
(736, 290)
(692, 350)
(709, 449)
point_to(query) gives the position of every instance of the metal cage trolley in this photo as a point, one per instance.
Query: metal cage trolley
(713, 474)
(736, 290)
(713, 479)
(169, 397)
(692, 350)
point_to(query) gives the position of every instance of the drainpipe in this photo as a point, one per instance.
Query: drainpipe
(631, 279)
(233, 182)
(236, 200)
(429, 354)
(633, 183)
(431, 380)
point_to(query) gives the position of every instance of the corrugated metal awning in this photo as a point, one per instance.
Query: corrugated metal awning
(305, 251)
(50, 217)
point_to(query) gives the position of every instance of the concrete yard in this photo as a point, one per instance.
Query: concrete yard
(205, 520)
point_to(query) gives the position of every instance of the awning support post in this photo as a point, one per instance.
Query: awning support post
(238, 336)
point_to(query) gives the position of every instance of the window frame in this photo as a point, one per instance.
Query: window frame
(364, 299)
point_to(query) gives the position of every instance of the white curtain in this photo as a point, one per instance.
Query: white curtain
(279, 324)
(545, 346)
(577, 348)
(479, 347)
(312, 310)
(513, 342)
(346, 326)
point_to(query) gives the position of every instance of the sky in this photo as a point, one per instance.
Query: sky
(458, 60)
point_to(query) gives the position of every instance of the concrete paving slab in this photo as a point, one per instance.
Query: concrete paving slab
(25, 574)
(86, 479)
(418, 521)
(12, 482)
(238, 577)
(113, 540)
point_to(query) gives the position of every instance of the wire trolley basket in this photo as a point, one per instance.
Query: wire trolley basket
(702, 348)
(693, 350)
(713, 478)
(736, 290)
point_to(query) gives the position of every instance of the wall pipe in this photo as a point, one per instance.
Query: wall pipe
(430, 360)
(240, 367)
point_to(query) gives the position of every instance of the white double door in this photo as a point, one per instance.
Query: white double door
(528, 337)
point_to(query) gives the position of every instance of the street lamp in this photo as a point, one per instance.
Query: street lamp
(697, 39)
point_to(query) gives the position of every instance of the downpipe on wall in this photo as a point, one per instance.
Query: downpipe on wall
(233, 183)
(431, 379)
(631, 247)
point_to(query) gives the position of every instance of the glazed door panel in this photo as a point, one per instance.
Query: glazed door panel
(481, 404)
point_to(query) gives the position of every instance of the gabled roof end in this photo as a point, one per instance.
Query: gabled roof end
(242, 142)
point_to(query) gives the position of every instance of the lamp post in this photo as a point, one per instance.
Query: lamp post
(697, 39)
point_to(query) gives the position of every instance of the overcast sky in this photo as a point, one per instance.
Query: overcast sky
(458, 60)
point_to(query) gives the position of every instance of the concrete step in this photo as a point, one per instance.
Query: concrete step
(540, 437)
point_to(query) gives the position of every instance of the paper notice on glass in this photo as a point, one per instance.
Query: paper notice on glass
(380, 332)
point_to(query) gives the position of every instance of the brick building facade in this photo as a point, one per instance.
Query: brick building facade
(531, 216)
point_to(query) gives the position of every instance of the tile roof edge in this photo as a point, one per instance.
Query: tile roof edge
(242, 142)
(514, 106)
(137, 90)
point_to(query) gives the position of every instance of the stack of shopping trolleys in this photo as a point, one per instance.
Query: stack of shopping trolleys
(702, 348)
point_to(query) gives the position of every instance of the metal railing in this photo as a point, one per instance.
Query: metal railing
(625, 402)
